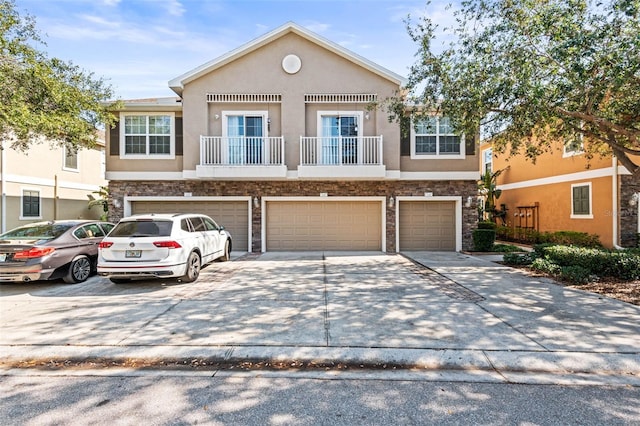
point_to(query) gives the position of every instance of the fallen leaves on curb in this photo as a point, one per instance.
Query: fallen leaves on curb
(194, 364)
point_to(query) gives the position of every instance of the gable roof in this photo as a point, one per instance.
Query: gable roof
(177, 84)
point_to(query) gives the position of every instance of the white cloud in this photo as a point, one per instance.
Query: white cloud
(174, 8)
(317, 27)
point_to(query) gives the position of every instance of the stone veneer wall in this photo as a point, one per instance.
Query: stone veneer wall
(628, 213)
(118, 189)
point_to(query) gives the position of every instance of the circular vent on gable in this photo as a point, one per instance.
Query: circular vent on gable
(291, 64)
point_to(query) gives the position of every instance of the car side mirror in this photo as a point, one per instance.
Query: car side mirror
(221, 228)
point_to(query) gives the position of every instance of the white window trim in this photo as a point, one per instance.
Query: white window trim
(437, 156)
(172, 136)
(568, 154)
(320, 114)
(64, 161)
(332, 113)
(22, 216)
(582, 216)
(484, 163)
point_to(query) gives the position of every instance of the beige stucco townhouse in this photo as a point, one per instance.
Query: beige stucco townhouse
(284, 142)
(48, 182)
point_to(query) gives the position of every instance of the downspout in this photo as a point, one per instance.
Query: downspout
(55, 197)
(614, 203)
(3, 212)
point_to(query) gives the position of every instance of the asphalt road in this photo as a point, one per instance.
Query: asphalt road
(248, 399)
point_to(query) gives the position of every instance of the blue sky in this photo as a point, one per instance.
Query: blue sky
(139, 45)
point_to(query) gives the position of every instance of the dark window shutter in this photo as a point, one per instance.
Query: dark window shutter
(470, 145)
(405, 136)
(114, 139)
(179, 144)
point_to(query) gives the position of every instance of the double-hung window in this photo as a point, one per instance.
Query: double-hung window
(574, 147)
(487, 160)
(581, 201)
(70, 159)
(433, 137)
(30, 204)
(147, 136)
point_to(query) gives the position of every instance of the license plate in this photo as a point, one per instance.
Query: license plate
(132, 253)
(3, 257)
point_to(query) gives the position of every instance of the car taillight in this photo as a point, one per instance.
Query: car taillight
(105, 244)
(33, 253)
(167, 244)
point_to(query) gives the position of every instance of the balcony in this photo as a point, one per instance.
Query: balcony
(341, 157)
(239, 157)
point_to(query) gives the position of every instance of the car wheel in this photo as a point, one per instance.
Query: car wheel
(227, 252)
(120, 280)
(79, 270)
(193, 268)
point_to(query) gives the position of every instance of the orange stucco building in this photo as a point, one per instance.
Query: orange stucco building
(563, 191)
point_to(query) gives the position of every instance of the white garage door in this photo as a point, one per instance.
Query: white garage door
(427, 225)
(233, 215)
(324, 225)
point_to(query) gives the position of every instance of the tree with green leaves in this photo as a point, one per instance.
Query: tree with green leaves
(488, 188)
(102, 201)
(533, 72)
(44, 98)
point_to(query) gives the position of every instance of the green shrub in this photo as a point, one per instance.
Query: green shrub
(483, 239)
(575, 274)
(545, 265)
(505, 248)
(487, 225)
(624, 265)
(594, 260)
(573, 238)
(539, 249)
(602, 263)
(531, 236)
(518, 259)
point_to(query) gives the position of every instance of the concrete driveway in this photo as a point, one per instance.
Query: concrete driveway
(434, 311)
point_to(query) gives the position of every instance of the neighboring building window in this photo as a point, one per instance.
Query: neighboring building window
(487, 161)
(146, 136)
(70, 158)
(30, 204)
(433, 137)
(573, 147)
(581, 201)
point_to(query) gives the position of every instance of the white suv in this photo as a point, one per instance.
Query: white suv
(162, 246)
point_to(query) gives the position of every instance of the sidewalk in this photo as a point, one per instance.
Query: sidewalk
(440, 316)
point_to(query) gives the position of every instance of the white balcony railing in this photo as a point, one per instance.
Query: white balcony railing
(241, 151)
(341, 150)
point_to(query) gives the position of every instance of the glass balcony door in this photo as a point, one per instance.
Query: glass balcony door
(339, 141)
(245, 135)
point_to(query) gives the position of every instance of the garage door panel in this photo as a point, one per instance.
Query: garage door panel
(324, 225)
(233, 215)
(427, 225)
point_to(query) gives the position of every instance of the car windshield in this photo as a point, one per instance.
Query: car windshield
(142, 228)
(36, 232)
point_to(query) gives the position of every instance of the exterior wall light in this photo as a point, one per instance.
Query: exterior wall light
(256, 202)
(391, 202)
